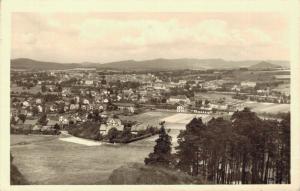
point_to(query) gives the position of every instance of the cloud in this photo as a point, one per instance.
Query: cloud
(83, 38)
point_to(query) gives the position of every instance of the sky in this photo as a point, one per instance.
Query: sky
(107, 37)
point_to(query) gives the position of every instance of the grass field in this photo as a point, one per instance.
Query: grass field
(284, 88)
(81, 141)
(33, 90)
(49, 160)
(183, 118)
(52, 161)
(268, 107)
(151, 118)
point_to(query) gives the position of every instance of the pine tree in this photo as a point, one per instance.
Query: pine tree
(187, 150)
(162, 150)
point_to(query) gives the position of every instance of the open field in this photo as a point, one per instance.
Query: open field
(258, 76)
(68, 160)
(52, 161)
(184, 118)
(151, 118)
(24, 139)
(219, 95)
(267, 107)
(32, 90)
(81, 141)
(44, 161)
(284, 88)
(172, 119)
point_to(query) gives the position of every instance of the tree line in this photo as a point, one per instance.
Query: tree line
(243, 150)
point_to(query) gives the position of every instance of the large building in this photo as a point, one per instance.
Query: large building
(182, 99)
(248, 84)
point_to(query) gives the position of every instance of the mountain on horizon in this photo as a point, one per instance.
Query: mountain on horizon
(265, 65)
(154, 64)
(29, 64)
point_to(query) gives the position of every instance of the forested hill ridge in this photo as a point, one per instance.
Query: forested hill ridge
(154, 64)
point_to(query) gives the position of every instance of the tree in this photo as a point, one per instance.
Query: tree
(72, 101)
(90, 116)
(248, 126)
(216, 147)
(43, 120)
(162, 150)
(56, 126)
(13, 120)
(61, 108)
(58, 88)
(22, 117)
(206, 102)
(112, 134)
(244, 150)
(187, 149)
(43, 87)
(96, 115)
(35, 110)
(199, 103)
(111, 106)
(285, 154)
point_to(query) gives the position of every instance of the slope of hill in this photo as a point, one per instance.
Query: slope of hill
(154, 64)
(29, 64)
(182, 63)
(265, 65)
(16, 178)
(137, 173)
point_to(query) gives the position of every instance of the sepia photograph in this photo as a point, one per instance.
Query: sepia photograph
(150, 98)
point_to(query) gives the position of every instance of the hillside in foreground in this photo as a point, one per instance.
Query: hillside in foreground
(137, 173)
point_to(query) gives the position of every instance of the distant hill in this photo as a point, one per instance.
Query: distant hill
(29, 64)
(265, 65)
(154, 64)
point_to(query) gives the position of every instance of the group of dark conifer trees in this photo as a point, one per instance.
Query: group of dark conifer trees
(243, 150)
(162, 150)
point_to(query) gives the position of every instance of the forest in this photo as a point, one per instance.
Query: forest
(242, 150)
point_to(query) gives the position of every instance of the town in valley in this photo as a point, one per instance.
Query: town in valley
(150, 97)
(89, 106)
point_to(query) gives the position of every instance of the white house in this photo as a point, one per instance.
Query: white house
(179, 99)
(77, 99)
(53, 108)
(111, 123)
(248, 84)
(236, 88)
(74, 106)
(40, 108)
(66, 108)
(38, 101)
(126, 106)
(63, 120)
(180, 109)
(86, 101)
(26, 104)
(89, 82)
